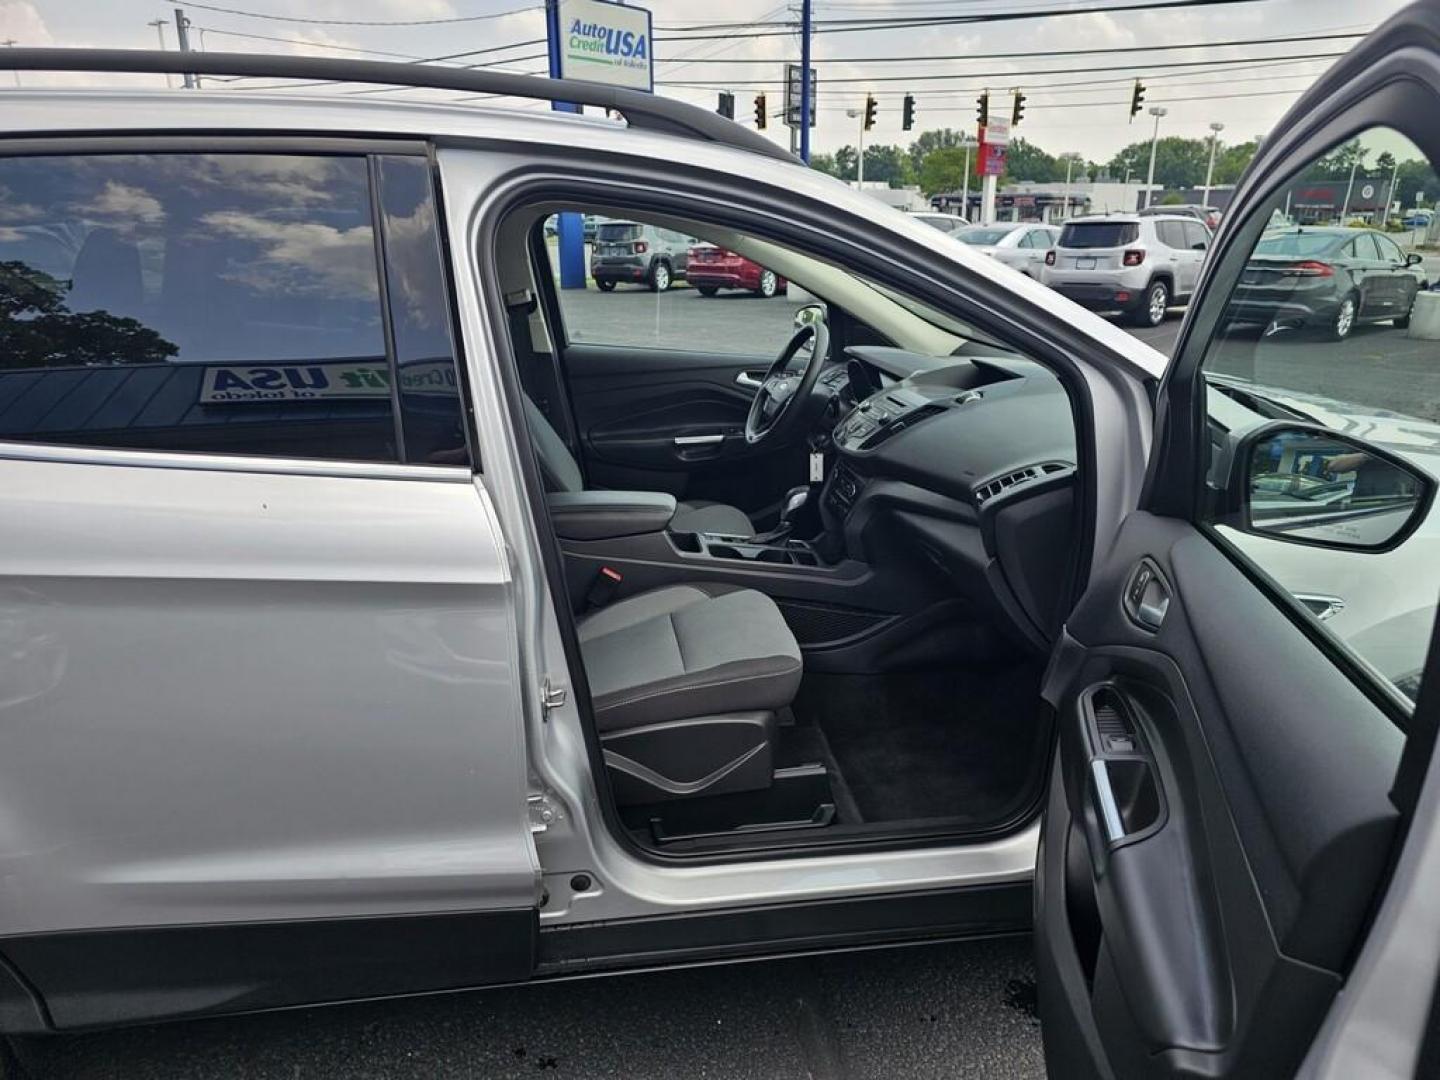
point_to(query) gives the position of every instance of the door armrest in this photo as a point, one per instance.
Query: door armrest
(604, 515)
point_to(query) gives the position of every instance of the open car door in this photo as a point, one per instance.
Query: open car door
(1237, 690)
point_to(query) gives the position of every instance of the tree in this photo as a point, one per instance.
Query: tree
(1179, 162)
(37, 329)
(1231, 161)
(1416, 184)
(824, 163)
(1173, 198)
(1026, 161)
(928, 141)
(943, 170)
(890, 164)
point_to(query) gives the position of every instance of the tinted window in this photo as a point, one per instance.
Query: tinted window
(615, 233)
(1365, 248)
(1388, 250)
(1197, 237)
(1298, 242)
(985, 237)
(1298, 343)
(1171, 234)
(224, 302)
(1099, 234)
(429, 394)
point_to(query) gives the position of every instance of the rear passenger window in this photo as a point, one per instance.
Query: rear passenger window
(1197, 237)
(220, 303)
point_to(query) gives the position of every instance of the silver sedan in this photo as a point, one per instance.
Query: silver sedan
(1018, 244)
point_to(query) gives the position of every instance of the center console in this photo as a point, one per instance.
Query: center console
(787, 552)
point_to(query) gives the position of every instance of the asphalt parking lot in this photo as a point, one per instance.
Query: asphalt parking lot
(956, 1010)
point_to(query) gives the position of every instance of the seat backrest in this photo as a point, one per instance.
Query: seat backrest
(106, 276)
(558, 467)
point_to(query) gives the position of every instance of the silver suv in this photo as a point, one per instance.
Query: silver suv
(1137, 264)
(383, 612)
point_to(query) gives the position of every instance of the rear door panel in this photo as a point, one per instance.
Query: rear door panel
(1208, 938)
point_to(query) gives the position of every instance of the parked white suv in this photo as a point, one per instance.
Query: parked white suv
(1129, 263)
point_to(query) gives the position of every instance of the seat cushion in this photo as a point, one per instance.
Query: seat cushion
(711, 517)
(684, 651)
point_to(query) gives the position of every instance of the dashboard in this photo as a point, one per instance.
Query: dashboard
(967, 462)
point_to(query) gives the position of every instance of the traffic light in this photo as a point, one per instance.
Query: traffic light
(907, 113)
(726, 108)
(1019, 110)
(869, 111)
(1137, 98)
(760, 112)
(983, 112)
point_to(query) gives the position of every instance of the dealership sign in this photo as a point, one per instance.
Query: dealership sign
(604, 42)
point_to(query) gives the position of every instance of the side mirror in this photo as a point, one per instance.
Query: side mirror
(1414, 259)
(1305, 484)
(811, 314)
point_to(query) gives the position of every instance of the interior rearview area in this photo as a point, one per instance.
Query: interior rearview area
(817, 536)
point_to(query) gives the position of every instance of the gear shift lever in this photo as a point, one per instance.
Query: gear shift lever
(795, 500)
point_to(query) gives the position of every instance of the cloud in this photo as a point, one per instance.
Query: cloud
(123, 207)
(300, 257)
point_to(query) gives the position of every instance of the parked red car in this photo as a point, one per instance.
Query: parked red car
(710, 268)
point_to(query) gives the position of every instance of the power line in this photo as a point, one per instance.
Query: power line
(911, 79)
(850, 26)
(914, 59)
(363, 22)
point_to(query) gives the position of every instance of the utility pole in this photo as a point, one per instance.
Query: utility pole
(805, 81)
(10, 43)
(160, 25)
(1157, 111)
(182, 31)
(1070, 160)
(860, 160)
(1215, 130)
(1354, 164)
(1390, 198)
(966, 142)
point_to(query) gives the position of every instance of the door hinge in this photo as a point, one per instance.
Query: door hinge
(551, 697)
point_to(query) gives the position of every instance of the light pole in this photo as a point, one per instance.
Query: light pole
(1215, 130)
(1157, 111)
(860, 159)
(1354, 164)
(160, 25)
(1070, 159)
(967, 143)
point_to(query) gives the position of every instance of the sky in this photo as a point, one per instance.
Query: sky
(1084, 112)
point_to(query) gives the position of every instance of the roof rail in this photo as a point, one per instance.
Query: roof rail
(641, 110)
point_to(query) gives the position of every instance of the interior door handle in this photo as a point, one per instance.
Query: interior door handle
(746, 379)
(700, 440)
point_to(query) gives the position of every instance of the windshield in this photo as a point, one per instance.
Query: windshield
(984, 237)
(1295, 243)
(1099, 234)
(615, 232)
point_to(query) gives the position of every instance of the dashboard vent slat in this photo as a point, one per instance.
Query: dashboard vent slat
(1001, 484)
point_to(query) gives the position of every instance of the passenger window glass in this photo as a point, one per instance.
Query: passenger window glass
(1317, 332)
(429, 392)
(1197, 237)
(226, 303)
(648, 287)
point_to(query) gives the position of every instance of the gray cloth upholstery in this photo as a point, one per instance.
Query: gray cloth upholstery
(711, 517)
(682, 651)
(561, 472)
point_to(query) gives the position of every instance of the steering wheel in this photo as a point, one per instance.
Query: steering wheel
(774, 411)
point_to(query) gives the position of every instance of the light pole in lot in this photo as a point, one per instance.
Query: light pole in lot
(1070, 159)
(1350, 187)
(860, 157)
(1157, 111)
(1215, 130)
(967, 142)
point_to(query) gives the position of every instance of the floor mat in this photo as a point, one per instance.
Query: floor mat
(935, 744)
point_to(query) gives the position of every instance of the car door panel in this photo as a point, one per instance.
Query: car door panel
(1233, 896)
(631, 405)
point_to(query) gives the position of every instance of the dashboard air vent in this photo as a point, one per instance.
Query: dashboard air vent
(985, 492)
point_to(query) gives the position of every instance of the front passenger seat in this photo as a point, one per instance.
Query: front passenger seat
(686, 681)
(562, 473)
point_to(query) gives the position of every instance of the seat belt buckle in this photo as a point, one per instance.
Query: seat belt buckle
(603, 589)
